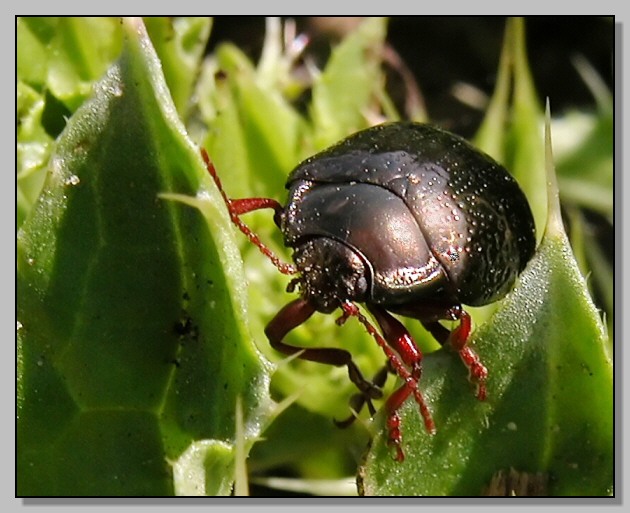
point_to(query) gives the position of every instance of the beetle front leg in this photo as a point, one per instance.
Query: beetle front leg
(397, 344)
(457, 340)
(401, 341)
(297, 312)
(239, 207)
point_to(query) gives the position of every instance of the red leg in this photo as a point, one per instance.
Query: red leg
(298, 312)
(400, 340)
(477, 372)
(458, 341)
(242, 206)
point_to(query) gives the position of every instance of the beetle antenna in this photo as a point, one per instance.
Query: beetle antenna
(242, 206)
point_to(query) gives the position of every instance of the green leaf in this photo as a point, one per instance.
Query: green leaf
(511, 130)
(67, 54)
(549, 413)
(585, 159)
(549, 407)
(58, 59)
(351, 79)
(132, 339)
(180, 43)
(525, 131)
(491, 135)
(33, 148)
(256, 137)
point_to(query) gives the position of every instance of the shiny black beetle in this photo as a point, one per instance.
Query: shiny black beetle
(404, 218)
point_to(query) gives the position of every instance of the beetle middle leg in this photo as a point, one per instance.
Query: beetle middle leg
(297, 312)
(457, 340)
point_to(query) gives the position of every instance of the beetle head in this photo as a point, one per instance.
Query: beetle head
(330, 273)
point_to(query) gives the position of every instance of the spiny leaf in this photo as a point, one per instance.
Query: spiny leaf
(132, 337)
(549, 411)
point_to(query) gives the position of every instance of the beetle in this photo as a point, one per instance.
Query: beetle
(406, 219)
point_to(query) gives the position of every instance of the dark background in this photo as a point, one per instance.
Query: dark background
(442, 51)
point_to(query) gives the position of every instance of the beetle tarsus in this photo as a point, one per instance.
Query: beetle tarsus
(357, 401)
(394, 436)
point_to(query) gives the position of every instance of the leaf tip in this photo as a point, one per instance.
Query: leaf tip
(554, 217)
(134, 24)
